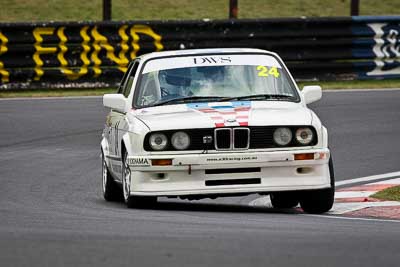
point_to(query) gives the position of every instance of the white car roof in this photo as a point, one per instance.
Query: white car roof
(203, 51)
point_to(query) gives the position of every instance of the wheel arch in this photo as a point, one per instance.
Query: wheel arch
(325, 137)
(104, 151)
(123, 148)
(126, 145)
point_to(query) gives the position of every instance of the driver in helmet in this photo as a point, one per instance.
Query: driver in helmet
(175, 83)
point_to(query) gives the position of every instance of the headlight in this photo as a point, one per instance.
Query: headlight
(180, 140)
(304, 136)
(158, 141)
(282, 136)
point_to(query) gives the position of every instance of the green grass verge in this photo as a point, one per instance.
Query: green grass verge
(392, 193)
(372, 84)
(72, 10)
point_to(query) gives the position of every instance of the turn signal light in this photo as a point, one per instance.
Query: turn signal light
(161, 162)
(304, 156)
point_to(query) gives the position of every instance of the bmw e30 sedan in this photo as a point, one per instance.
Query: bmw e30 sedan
(208, 123)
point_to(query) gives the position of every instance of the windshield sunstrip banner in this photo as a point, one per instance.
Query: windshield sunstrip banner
(210, 60)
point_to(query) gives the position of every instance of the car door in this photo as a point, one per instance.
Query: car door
(117, 122)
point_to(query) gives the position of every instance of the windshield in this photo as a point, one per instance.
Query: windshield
(213, 78)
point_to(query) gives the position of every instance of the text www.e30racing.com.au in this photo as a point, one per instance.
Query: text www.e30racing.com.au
(232, 158)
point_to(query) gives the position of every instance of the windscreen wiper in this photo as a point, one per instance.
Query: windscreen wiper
(257, 97)
(187, 99)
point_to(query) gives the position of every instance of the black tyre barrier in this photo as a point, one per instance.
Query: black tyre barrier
(95, 54)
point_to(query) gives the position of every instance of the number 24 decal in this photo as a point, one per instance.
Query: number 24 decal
(265, 72)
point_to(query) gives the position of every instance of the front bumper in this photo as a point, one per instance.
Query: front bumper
(229, 173)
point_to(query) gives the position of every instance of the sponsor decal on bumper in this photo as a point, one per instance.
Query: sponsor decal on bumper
(232, 159)
(139, 162)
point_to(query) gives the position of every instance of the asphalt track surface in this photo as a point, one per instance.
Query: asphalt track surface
(52, 212)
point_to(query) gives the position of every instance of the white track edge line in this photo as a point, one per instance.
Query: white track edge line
(351, 218)
(369, 178)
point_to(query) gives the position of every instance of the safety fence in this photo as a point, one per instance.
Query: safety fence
(95, 54)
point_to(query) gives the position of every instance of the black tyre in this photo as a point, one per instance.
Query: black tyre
(319, 201)
(111, 190)
(133, 201)
(284, 200)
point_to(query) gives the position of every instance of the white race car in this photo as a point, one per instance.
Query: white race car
(209, 123)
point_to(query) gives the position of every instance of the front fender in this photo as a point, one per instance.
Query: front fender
(133, 139)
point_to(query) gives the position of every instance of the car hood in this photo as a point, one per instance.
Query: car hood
(228, 114)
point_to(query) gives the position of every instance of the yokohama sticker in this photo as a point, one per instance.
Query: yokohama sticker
(139, 162)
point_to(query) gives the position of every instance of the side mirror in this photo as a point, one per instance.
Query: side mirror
(311, 93)
(115, 101)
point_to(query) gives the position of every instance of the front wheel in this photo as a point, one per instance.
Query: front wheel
(111, 190)
(133, 201)
(319, 201)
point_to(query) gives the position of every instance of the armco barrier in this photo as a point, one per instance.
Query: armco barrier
(95, 54)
